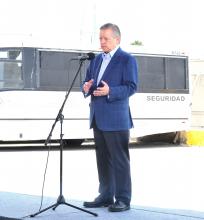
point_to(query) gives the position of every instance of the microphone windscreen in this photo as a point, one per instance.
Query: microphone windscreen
(91, 56)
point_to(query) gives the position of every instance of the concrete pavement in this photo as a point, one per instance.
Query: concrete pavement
(167, 183)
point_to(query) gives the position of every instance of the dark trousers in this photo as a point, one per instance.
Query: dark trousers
(113, 163)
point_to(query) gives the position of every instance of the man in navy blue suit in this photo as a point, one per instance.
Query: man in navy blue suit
(111, 79)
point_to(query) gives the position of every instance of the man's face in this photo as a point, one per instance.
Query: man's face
(107, 40)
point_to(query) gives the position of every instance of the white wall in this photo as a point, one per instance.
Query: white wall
(196, 68)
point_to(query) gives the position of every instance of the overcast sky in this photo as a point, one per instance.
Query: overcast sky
(161, 25)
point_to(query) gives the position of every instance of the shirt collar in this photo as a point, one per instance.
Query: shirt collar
(111, 53)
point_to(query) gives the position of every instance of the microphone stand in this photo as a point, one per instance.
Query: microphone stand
(60, 117)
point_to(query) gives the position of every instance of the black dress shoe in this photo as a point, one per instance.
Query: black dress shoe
(98, 203)
(118, 206)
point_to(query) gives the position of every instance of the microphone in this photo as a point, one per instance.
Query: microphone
(88, 56)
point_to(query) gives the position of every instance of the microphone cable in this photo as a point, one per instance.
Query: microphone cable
(44, 177)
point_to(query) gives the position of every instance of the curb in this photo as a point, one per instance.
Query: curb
(195, 138)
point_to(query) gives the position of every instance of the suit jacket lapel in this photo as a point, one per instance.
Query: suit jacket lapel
(112, 62)
(98, 66)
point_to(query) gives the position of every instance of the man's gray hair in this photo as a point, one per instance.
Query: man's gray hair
(113, 27)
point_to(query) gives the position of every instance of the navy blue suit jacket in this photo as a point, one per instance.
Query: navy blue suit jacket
(112, 112)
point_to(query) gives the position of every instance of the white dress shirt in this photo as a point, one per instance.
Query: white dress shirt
(106, 60)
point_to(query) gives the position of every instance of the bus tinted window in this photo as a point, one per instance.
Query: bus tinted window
(162, 74)
(57, 71)
(151, 73)
(53, 70)
(11, 76)
(176, 74)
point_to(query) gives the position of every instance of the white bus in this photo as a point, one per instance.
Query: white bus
(34, 81)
